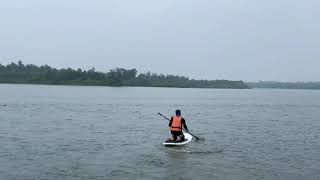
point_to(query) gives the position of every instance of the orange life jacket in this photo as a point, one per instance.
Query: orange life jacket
(176, 124)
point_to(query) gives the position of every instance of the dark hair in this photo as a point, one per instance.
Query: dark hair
(178, 112)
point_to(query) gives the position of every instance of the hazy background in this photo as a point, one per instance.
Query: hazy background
(247, 39)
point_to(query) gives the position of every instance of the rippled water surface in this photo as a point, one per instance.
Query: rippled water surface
(73, 132)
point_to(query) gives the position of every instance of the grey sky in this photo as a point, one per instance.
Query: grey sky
(212, 39)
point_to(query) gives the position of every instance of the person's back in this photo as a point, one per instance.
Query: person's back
(177, 123)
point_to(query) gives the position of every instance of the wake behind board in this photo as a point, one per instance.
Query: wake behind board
(187, 139)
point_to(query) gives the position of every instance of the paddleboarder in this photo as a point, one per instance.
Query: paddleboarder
(176, 125)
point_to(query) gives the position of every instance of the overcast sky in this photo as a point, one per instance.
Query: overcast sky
(247, 40)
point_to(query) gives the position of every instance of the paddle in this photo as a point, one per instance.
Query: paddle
(197, 138)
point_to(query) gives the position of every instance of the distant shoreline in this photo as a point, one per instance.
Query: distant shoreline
(77, 85)
(18, 73)
(284, 85)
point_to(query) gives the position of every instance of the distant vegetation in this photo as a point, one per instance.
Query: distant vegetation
(285, 85)
(32, 74)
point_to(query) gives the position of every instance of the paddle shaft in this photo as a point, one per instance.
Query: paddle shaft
(182, 127)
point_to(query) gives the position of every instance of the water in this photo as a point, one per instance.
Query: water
(72, 132)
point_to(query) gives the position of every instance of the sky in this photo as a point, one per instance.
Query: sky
(250, 40)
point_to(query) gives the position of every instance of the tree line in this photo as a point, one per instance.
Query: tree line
(20, 73)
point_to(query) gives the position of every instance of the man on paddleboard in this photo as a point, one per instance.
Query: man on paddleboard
(177, 123)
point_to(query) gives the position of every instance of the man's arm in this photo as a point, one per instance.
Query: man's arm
(171, 122)
(184, 124)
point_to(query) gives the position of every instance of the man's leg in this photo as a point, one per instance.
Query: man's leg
(181, 137)
(175, 135)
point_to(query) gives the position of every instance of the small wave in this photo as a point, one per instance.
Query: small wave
(197, 151)
(205, 152)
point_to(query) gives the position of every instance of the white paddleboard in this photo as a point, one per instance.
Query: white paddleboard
(187, 139)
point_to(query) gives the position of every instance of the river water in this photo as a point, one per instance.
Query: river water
(75, 132)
